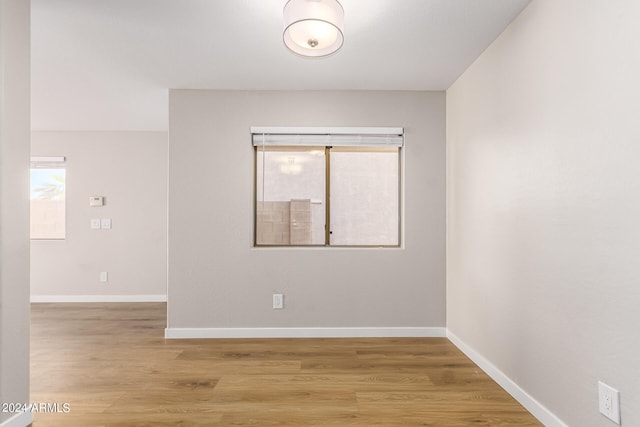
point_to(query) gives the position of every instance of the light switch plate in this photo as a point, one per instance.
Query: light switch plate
(95, 223)
(105, 223)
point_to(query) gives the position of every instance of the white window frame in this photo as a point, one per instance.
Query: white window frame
(265, 136)
(50, 162)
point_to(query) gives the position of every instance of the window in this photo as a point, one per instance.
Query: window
(47, 198)
(320, 188)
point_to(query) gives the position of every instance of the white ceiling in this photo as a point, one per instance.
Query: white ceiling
(108, 64)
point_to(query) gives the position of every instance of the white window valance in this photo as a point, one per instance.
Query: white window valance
(328, 136)
(41, 162)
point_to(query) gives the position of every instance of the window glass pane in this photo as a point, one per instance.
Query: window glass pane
(48, 203)
(290, 193)
(364, 196)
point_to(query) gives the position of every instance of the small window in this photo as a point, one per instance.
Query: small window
(329, 189)
(48, 176)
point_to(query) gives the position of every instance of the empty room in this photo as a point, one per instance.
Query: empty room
(319, 213)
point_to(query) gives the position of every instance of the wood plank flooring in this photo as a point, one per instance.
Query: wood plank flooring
(113, 367)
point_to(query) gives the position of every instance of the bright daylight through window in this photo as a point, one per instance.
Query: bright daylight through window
(47, 198)
(339, 188)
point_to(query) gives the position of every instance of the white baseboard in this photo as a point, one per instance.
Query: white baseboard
(409, 332)
(22, 419)
(98, 298)
(546, 417)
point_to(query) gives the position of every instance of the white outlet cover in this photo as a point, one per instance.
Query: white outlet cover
(609, 402)
(95, 224)
(105, 223)
(278, 301)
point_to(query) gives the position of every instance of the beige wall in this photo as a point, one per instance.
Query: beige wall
(543, 144)
(216, 278)
(130, 170)
(14, 206)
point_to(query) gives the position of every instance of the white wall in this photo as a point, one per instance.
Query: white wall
(543, 205)
(216, 278)
(130, 170)
(14, 207)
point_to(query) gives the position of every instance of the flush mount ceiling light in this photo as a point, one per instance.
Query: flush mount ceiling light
(313, 27)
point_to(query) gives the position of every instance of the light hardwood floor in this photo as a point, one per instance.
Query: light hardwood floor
(112, 366)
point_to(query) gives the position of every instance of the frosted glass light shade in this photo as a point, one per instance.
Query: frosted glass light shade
(313, 27)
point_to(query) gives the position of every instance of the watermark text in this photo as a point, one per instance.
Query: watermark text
(34, 407)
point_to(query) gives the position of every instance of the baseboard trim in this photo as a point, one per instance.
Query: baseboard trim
(545, 416)
(409, 332)
(23, 419)
(98, 298)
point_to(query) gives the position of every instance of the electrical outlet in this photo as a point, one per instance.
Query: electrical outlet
(609, 402)
(104, 276)
(278, 301)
